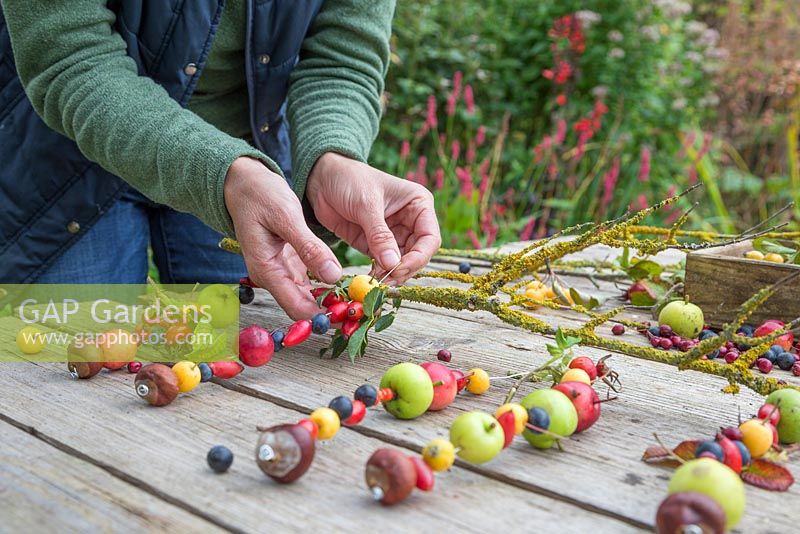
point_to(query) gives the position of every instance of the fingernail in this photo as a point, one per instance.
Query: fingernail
(389, 259)
(330, 272)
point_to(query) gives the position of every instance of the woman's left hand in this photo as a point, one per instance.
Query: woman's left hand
(391, 220)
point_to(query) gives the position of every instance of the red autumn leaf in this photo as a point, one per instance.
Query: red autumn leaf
(661, 456)
(768, 475)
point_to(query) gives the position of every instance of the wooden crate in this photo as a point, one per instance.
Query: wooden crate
(720, 279)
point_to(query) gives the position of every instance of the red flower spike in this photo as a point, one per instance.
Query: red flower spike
(508, 424)
(297, 333)
(311, 426)
(225, 369)
(425, 478)
(359, 411)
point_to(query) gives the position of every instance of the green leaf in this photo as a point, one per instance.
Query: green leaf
(560, 338)
(766, 246)
(357, 339)
(384, 322)
(338, 345)
(644, 269)
(373, 301)
(396, 302)
(587, 301)
(322, 351)
(324, 295)
(554, 350)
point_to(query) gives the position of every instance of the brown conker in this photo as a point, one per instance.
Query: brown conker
(285, 452)
(690, 512)
(390, 476)
(157, 384)
(84, 361)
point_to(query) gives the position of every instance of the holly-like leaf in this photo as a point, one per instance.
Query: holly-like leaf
(356, 340)
(373, 302)
(644, 269)
(767, 475)
(384, 322)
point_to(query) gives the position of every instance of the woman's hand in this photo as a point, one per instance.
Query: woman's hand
(389, 219)
(277, 245)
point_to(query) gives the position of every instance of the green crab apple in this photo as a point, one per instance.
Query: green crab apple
(715, 479)
(585, 400)
(788, 402)
(412, 387)
(444, 385)
(219, 305)
(685, 319)
(563, 416)
(477, 436)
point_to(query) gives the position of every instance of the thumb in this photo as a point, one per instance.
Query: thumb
(314, 253)
(380, 239)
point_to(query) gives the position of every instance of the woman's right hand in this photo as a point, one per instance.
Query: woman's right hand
(277, 245)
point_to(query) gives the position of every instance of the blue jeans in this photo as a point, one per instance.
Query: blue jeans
(114, 250)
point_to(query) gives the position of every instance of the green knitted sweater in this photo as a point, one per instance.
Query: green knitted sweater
(76, 72)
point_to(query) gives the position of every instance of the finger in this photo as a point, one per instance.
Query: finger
(314, 253)
(284, 277)
(380, 239)
(426, 241)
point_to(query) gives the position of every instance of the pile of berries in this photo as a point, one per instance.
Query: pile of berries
(663, 337)
(782, 354)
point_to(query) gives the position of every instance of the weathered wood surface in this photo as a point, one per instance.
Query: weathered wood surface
(137, 458)
(162, 450)
(45, 489)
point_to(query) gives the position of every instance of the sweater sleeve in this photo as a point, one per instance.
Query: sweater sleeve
(335, 89)
(79, 78)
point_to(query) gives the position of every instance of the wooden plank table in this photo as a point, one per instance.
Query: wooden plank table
(90, 456)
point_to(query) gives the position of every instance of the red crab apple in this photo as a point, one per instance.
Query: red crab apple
(769, 327)
(477, 436)
(412, 387)
(256, 346)
(585, 400)
(444, 385)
